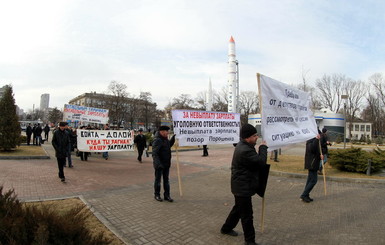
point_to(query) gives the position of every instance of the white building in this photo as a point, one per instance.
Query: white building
(359, 129)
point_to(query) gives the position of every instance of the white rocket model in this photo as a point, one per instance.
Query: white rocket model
(209, 97)
(233, 81)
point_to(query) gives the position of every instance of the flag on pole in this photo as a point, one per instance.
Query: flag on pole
(263, 175)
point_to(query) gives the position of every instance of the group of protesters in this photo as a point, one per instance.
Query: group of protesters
(35, 132)
(246, 167)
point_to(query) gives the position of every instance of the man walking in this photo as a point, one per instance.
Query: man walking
(161, 154)
(140, 141)
(313, 157)
(245, 168)
(61, 142)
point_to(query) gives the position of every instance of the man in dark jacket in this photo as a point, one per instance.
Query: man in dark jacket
(46, 132)
(161, 154)
(28, 131)
(244, 182)
(140, 141)
(313, 157)
(61, 142)
(38, 131)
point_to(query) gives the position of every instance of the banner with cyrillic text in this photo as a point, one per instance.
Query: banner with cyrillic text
(85, 114)
(286, 115)
(205, 127)
(105, 140)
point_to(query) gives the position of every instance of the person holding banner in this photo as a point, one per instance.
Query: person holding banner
(161, 154)
(140, 141)
(245, 169)
(61, 142)
(313, 156)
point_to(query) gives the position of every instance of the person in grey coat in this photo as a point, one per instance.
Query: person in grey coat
(61, 142)
(245, 167)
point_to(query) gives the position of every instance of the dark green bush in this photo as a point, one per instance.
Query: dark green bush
(23, 138)
(339, 139)
(20, 224)
(356, 159)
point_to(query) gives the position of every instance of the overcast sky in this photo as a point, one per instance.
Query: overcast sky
(172, 47)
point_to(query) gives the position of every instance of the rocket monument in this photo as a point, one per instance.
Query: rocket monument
(233, 79)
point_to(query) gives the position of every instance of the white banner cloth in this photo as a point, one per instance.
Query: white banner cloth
(205, 127)
(85, 114)
(105, 140)
(286, 115)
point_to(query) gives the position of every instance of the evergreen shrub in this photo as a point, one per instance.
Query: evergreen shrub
(356, 159)
(21, 224)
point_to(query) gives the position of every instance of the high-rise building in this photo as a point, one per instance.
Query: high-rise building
(2, 90)
(44, 102)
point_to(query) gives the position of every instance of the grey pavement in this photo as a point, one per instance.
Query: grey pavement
(120, 193)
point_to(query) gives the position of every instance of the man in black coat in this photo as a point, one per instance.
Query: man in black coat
(245, 168)
(46, 132)
(313, 157)
(161, 154)
(140, 141)
(38, 131)
(61, 143)
(28, 131)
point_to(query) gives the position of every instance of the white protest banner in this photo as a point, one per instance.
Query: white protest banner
(286, 114)
(205, 127)
(85, 114)
(105, 140)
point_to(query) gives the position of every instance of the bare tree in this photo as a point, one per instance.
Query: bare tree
(249, 104)
(201, 101)
(304, 86)
(116, 102)
(356, 91)
(220, 100)
(331, 89)
(374, 113)
(148, 109)
(55, 115)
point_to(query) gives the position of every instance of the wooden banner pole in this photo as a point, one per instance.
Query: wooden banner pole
(260, 106)
(263, 215)
(178, 172)
(323, 167)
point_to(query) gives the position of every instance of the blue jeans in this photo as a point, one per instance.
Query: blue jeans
(38, 140)
(312, 178)
(159, 172)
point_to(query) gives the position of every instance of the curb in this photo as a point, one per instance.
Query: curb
(23, 157)
(336, 179)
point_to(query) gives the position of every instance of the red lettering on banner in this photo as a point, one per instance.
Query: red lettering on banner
(97, 147)
(93, 142)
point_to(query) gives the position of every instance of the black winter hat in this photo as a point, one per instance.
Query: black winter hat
(324, 130)
(164, 128)
(248, 130)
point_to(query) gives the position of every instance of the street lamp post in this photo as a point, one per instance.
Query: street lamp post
(344, 97)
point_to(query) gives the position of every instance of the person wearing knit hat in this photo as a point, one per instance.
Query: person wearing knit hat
(161, 155)
(245, 168)
(61, 142)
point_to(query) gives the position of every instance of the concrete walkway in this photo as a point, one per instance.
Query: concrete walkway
(120, 192)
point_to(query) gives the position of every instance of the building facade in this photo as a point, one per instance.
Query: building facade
(124, 112)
